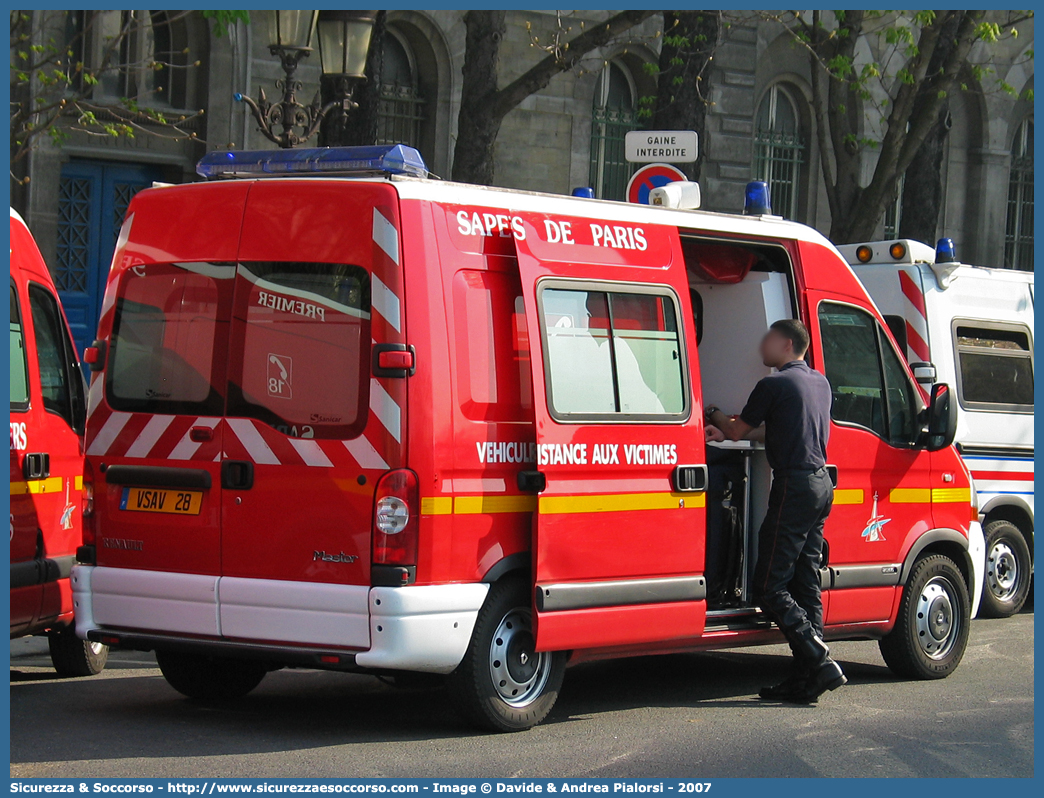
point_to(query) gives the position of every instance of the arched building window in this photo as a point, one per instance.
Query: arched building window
(613, 116)
(779, 149)
(402, 109)
(151, 64)
(1018, 228)
(409, 90)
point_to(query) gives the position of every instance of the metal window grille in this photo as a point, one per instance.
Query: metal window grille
(777, 161)
(1018, 228)
(610, 171)
(400, 115)
(74, 234)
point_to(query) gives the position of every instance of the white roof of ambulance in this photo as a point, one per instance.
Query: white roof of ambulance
(538, 202)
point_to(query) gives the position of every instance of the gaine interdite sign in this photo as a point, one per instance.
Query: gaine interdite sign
(653, 146)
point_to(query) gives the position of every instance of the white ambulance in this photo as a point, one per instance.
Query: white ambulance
(971, 327)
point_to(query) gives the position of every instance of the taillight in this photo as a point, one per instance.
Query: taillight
(90, 529)
(396, 511)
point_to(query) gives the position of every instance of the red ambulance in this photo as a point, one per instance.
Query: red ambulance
(47, 420)
(344, 416)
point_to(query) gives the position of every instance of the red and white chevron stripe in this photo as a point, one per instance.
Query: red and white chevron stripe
(916, 318)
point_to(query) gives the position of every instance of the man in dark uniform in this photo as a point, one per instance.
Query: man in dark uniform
(794, 406)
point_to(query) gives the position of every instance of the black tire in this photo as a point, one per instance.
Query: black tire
(1009, 569)
(211, 678)
(73, 657)
(931, 632)
(502, 642)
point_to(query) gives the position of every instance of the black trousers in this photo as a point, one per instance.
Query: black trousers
(790, 548)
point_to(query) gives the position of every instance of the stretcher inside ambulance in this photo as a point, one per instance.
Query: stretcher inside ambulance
(351, 418)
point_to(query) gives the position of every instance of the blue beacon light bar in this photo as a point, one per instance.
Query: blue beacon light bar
(396, 159)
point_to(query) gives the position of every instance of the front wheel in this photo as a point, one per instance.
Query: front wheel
(931, 632)
(212, 678)
(1006, 584)
(503, 684)
(72, 656)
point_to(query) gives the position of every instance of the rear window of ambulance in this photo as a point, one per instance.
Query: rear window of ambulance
(169, 339)
(300, 348)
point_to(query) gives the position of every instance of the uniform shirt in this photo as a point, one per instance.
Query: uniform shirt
(794, 404)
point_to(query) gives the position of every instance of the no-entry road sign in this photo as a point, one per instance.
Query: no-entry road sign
(649, 177)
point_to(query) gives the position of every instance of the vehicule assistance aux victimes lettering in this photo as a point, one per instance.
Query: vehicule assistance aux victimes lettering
(492, 452)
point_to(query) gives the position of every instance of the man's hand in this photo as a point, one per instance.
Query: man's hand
(734, 429)
(714, 435)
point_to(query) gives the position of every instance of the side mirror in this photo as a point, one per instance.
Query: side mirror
(924, 373)
(942, 418)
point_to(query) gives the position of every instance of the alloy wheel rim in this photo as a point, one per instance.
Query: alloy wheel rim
(519, 673)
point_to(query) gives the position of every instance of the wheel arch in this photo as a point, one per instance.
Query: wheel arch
(519, 562)
(948, 542)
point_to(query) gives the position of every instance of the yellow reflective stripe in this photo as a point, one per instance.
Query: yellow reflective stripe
(78, 483)
(436, 505)
(49, 485)
(911, 496)
(951, 495)
(492, 503)
(614, 502)
(848, 496)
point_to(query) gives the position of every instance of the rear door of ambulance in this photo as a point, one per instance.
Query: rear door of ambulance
(309, 430)
(618, 551)
(154, 429)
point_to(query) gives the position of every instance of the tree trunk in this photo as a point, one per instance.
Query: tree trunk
(477, 127)
(689, 40)
(922, 191)
(483, 106)
(359, 125)
(915, 109)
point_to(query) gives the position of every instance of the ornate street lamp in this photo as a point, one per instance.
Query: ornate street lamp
(343, 46)
(344, 41)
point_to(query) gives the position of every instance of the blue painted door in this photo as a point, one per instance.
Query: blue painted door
(92, 199)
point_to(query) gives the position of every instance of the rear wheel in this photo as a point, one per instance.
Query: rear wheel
(503, 684)
(201, 676)
(931, 632)
(72, 656)
(1006, 583)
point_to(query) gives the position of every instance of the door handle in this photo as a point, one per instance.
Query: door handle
(531, 481)
(36, 465)
(237, 474)
(690, 478)
(832, 473)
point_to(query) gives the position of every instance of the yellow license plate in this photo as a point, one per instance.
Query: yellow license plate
(162, 500)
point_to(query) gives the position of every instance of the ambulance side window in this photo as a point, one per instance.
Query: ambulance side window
(612, 353)
(493, 376)
(995, 366)
(60, 380)
(299, 351)
(19, 358)
(870, 387)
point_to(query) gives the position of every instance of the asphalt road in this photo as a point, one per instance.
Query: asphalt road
(683, 715)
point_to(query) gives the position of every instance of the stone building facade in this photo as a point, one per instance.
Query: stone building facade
(759, 124)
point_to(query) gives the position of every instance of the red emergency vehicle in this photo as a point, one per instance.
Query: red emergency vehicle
(347, 417)
(47, 421)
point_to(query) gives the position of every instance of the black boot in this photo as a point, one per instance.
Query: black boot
(793, 685)
(822, 672)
